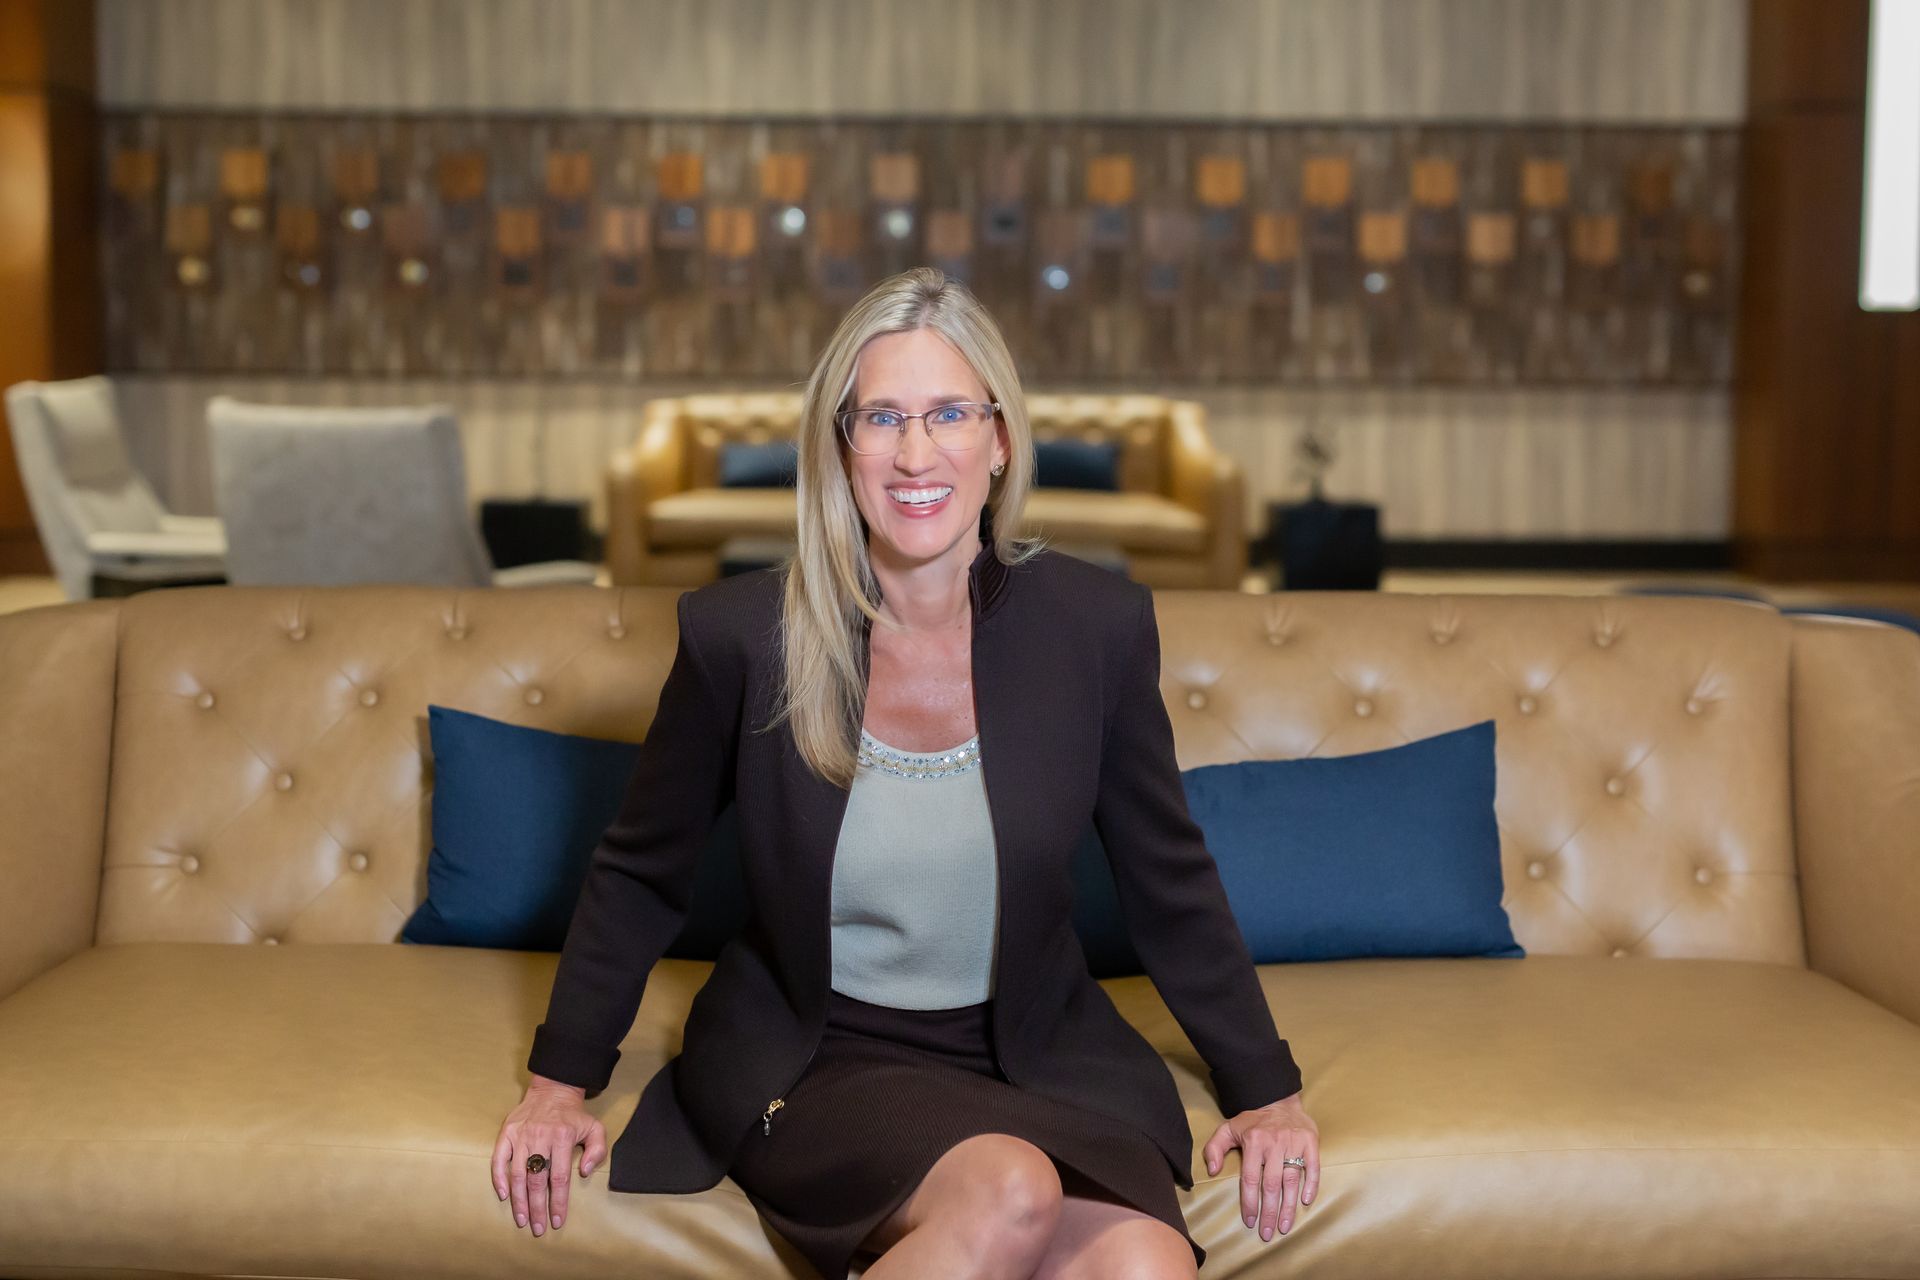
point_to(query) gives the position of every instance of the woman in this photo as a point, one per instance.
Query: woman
(902, 1052)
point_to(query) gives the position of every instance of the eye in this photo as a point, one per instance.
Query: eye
(949, 413)
(883, 417)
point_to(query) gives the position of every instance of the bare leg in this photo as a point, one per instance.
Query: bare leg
(986, 1210)
(1097, 1239)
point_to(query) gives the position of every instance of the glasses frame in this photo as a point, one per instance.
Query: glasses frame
(844, 416)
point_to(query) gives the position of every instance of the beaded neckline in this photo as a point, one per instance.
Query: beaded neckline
(919, 764)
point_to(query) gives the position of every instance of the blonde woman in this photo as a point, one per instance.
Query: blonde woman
(917, 716)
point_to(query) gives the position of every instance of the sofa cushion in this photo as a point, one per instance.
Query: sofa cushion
(517, 812)
(1394, 852)
(329, 1109)
(708, 517)
(1136, 521)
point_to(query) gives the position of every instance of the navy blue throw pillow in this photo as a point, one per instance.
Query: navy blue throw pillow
(1076, 464)
(517, 814)
(773, 465)
(1383, 853)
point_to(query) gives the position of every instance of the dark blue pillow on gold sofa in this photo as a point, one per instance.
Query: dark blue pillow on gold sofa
(517, 813)
(1076, 464)
(773, 465)
(1383, 853)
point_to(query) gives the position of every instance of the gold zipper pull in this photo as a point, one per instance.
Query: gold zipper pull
(766, 1121)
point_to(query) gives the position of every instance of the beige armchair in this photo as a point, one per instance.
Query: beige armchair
(1177, 518)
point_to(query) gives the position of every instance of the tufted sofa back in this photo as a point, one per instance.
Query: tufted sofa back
(1141, 425)
(270, 776)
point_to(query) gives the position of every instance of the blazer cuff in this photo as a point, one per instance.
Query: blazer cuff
(570, 1060)
(1244, 1086)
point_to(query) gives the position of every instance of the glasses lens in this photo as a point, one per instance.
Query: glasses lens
(873, 430)
(952, 426)
(957, 426)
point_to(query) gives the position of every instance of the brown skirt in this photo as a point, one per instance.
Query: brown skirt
(886, 1094)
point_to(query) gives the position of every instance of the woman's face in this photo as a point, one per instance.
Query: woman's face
(914, 372)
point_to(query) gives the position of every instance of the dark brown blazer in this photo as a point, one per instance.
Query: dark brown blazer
(1066, 660)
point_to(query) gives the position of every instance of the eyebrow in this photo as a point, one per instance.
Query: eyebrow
(943, 398)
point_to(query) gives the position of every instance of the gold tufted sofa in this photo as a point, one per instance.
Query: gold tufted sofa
(1178, 517)
(215, 1059)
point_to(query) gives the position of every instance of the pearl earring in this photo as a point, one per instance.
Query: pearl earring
(998, 467)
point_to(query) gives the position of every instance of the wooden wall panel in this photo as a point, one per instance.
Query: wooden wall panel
(1826, 469)
(1616, 61)
(50, 323)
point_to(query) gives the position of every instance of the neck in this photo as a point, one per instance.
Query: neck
(926, 595)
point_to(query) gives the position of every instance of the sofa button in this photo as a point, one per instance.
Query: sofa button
(1702, 875)
(358, 862)
(1196, 699)
(1603, 638)
(1693, 706)
(204, 701)
(368, 697)
(1443, 637)
(1616, 787)
(189, 864)
(616, 632)
(1363, 707)
(456, 632)
(1619, 951)
(1276, 638)
(1536, 869)
(284, 782)
(270, 941)
(1527, 704)
(535, 697)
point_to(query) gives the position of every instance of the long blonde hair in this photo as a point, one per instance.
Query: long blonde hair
(830, 585)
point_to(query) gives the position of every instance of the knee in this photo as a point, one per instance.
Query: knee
(1020, 1188)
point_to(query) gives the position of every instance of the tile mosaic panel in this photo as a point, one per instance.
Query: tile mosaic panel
(724, 249)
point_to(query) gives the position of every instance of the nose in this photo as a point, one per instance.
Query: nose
(917, 450)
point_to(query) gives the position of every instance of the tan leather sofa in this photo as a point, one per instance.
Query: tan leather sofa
(215, 1060)
(1178, 518)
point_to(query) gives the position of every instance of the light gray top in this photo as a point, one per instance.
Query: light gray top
(916, 888)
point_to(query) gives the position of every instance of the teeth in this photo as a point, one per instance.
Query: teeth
(919, 497)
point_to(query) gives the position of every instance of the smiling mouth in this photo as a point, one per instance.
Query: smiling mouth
(919, 497)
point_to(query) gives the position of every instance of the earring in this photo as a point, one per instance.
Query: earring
(998, 467)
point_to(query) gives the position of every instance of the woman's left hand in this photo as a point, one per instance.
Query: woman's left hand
(1267, 1136)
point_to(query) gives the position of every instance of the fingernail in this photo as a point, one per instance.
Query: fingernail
(520, 1218)
(1249, 1219)
(1306, 1199)
(537, 1229)
(1266, 1233)
(556, 1224)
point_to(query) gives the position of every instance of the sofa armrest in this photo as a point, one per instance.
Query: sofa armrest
(56, 728)
(653, 466)
(208, 526)
(1205, 480)
(161, 544)
(1856, 801)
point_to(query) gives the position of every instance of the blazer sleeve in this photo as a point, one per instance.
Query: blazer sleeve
(639, 881)
(1171, 898)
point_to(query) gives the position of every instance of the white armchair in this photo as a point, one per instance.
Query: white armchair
(94, 511)
(327, 496)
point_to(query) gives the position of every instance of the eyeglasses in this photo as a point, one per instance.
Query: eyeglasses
(954, 427)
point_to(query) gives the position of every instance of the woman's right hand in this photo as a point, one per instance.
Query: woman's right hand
(550, 1121)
